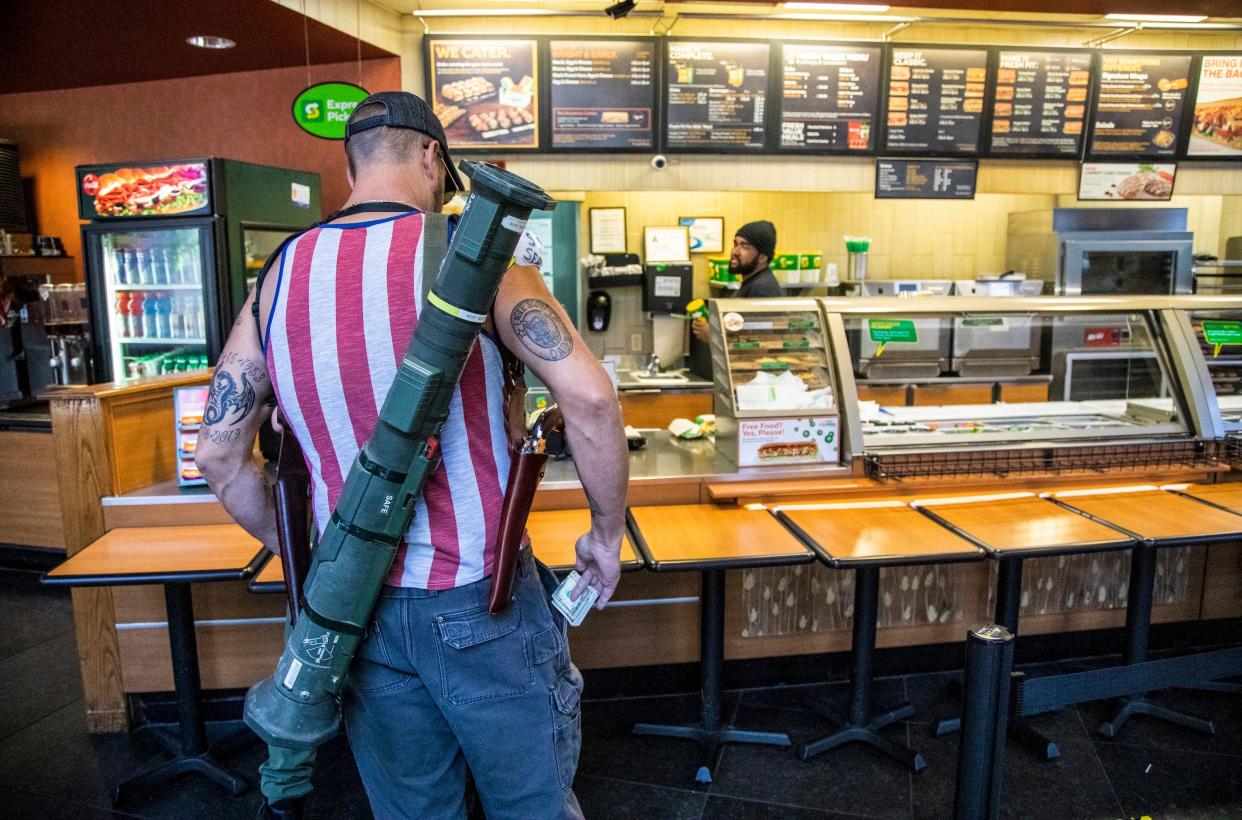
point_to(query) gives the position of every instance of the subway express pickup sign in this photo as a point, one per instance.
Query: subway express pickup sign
(322, 110)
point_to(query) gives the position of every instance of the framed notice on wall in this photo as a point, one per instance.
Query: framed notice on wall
(485, 92)
(706, 233)
(607, 230)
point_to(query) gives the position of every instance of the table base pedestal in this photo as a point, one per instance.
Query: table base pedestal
(862, 727)
(708, 732)
(870, 735)
(1140, 705)
(191, 754)
(710, 741)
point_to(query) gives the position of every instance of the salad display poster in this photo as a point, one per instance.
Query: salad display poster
(486, 92)
(1217, 127)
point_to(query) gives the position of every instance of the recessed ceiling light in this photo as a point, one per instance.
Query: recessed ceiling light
(208, 41)
(1158, 18)
(863, 7)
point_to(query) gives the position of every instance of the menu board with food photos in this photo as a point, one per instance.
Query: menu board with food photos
(716, 95)
(1217, 124)
(1041, 103)
(485, 92)
(603, 94)
(1139, 100)
(935, 100)
(829, 96)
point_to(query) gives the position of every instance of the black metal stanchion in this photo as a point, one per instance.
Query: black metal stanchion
(985, 716)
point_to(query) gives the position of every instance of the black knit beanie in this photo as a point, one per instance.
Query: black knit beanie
(762, 235)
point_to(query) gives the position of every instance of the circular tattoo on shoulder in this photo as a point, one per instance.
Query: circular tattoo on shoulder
(541, 330)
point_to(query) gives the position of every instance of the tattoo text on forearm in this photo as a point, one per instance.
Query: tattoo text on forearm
(539, 327)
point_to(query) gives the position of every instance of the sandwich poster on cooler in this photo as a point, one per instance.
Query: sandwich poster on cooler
(787, 441)
(1217, 129)
(157, 190)
(486, 92)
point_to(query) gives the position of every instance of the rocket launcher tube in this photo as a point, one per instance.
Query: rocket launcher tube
(297, 707)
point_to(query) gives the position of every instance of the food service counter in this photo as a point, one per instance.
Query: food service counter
(770, 611)
(29, 503)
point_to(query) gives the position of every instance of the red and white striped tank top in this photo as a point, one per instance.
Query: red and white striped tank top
(345, 307)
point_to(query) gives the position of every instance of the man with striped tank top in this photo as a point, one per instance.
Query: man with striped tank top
(438, 685)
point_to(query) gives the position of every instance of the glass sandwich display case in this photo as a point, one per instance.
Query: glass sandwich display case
(979, 385)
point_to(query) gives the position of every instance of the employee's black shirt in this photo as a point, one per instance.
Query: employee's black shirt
(760, 284)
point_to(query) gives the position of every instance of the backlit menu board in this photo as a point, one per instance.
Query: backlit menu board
(1041, 103)
(1139, 100)
(485, 92)
(1217, 128)
(717, 95)
(829, 96)
(935, 99)
(603, 94)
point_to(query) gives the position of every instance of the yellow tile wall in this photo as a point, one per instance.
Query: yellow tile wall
(910, 239)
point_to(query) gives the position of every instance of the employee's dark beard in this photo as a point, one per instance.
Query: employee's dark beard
(743, 269)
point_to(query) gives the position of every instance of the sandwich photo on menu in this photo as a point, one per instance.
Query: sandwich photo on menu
(1220, 123)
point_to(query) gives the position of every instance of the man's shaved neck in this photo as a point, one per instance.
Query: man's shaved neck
(393, 183)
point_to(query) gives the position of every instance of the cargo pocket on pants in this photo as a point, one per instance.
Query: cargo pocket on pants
(567, 723)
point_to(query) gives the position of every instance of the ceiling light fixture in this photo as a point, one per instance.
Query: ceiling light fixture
(619, 9)
(497, 12)
(1158, 18)
(209, 41)
(859, 7)
(848, 18)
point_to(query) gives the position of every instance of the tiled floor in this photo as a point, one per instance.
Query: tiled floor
(53, 769)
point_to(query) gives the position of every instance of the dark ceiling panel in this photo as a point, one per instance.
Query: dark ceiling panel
(49, 44)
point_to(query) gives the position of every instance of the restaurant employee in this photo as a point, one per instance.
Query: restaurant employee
(754, 245)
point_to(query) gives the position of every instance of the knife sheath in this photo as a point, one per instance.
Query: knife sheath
(525, 472)
(292, 496)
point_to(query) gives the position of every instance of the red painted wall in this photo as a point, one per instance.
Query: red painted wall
(243, 116)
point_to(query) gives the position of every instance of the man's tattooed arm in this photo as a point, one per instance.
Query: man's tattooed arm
(541, 330)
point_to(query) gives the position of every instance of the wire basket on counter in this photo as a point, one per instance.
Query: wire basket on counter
(1064, 460)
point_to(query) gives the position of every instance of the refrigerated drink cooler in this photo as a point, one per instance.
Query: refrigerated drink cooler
(172, 250)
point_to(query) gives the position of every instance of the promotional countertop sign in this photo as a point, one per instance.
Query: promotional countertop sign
(323, 109)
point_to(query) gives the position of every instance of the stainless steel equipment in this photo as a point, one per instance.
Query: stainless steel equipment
(995, 346)
(1103, 251)
(924, 358)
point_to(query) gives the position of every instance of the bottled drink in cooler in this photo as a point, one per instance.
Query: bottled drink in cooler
(119, 265)
(142, 267)
(194, 317)
(122, 313)
(159, 275)
(133, 323)
(150, 323)
(163, 310)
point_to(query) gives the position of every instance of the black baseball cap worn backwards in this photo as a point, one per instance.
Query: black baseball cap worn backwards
(404, 110)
